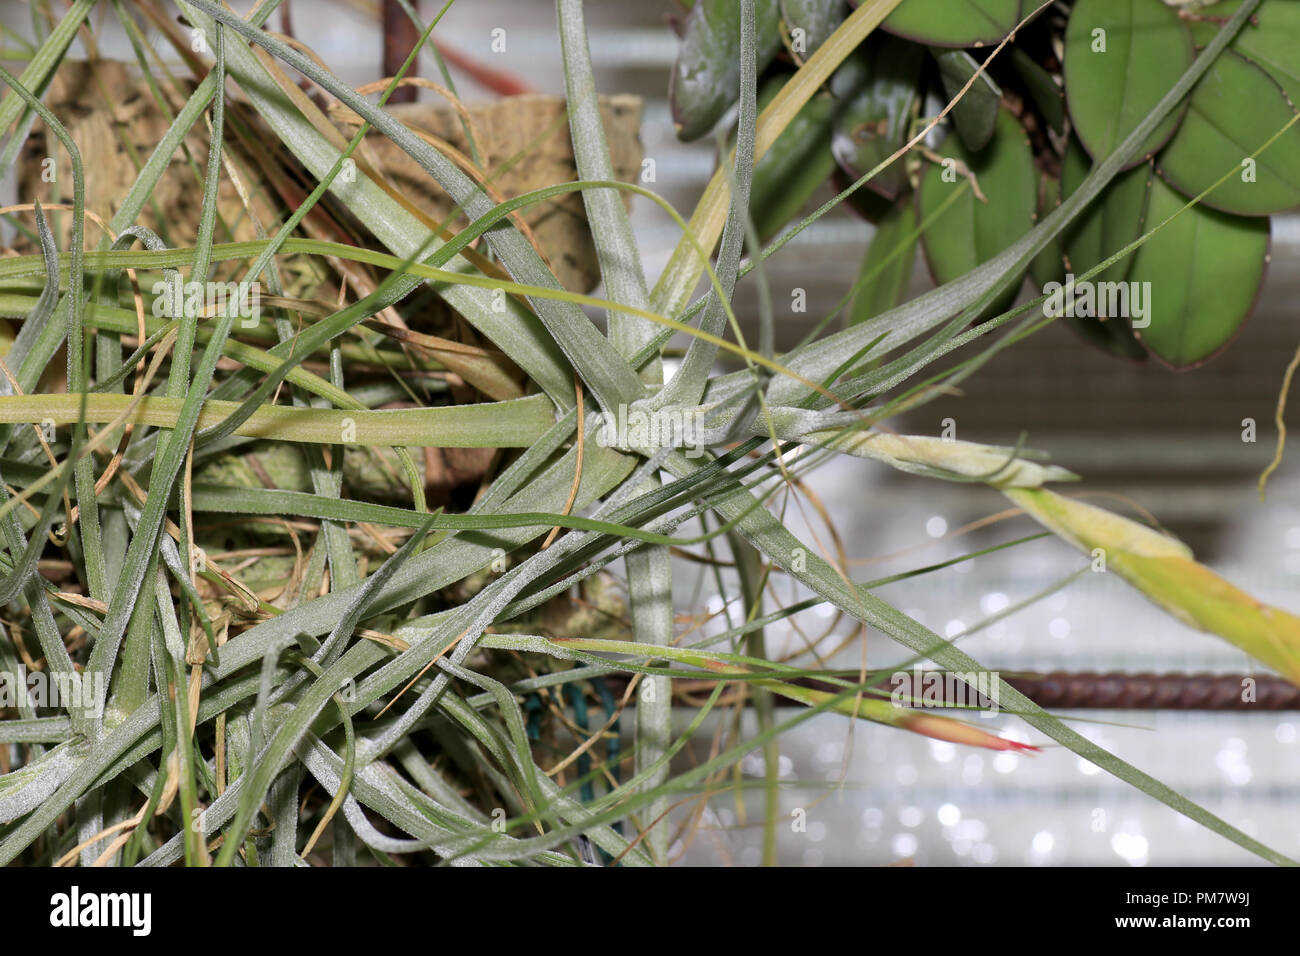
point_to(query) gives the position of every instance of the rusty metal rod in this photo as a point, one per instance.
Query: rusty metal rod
(1112, 690)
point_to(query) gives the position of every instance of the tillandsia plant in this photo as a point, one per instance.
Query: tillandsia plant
(1074, 80)
(343, 533)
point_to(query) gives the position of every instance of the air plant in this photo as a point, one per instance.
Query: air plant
(414, 667)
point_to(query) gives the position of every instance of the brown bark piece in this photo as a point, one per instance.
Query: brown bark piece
(116, 123)
(532, 124)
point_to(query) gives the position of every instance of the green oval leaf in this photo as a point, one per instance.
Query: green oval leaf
(1109, 223)
(969, 231)
(795, 166)
(1049, 264)
(1270, 38)
(887, 267)
(954, 22)
(1200, 276)
(1121, 57)
(1235, 108)
(877, 87)
(975, 115)
(705, 80)
(1043, 89)
(816, 18)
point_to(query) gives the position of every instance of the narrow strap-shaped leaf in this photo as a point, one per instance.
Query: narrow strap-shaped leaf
(688, 384)
(781, 547)
(43, 64)
(604, 371)
(611, 230)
